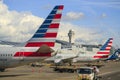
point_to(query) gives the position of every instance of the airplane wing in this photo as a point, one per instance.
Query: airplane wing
(59, 59)
(62, 57)
(63, 43)
(11, 43)
(8, 43)
(68, 59)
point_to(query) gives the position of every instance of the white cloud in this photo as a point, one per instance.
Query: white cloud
(73, 16)
(103, 15)
(15, 26)
(81, 33)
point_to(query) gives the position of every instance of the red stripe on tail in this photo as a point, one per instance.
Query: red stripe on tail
(54, 25)
(103, 52)
(49, 35)
(61, 7)
(57, 16)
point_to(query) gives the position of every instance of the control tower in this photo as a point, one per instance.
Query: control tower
(70, 35)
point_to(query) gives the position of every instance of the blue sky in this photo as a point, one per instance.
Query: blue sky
(96, 12)
(103, 15)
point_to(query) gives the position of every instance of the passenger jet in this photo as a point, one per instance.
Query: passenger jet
(38, 47)
(75, 55)
(102, 54)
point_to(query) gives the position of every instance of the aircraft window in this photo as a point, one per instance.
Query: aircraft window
(11, 54)
(3, 54)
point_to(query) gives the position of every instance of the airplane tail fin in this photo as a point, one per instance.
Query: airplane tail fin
(47, 32)
(105, 49)
(115, 55)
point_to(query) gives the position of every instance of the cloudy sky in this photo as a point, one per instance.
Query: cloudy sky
(93, 21)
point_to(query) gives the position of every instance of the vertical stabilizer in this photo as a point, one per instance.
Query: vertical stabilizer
(47, 32)
(105, 49)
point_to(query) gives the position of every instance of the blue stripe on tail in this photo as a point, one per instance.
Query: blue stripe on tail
(106, 44)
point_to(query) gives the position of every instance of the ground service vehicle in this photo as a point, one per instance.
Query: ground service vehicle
(86, 73)
(69, 69)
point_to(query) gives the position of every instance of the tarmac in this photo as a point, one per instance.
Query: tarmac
(110, 71)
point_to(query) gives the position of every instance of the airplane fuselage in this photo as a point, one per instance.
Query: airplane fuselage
(84, 57)
(16, 56)
(37, 47)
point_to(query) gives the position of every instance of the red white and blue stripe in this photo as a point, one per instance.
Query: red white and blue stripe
(47, 32)
(105, 49)
(45, 35)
